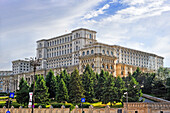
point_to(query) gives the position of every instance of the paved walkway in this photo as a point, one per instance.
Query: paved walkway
(156, 99)
(146, 100)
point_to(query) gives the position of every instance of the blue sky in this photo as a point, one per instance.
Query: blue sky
(136, 24)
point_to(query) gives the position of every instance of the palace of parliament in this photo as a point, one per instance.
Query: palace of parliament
(76, 50)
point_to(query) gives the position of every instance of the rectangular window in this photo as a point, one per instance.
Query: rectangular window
(136, 111)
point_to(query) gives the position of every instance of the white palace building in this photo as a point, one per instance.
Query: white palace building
(76, 50)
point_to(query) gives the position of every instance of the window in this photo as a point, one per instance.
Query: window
(161, 111)
(92, 66)
(107, 67)
(76, 47)
(90, 36)
(83, 53)
(107, 52)
(76, 35)
(102, 65)
(103, 52)
(111, 53)
(68, 39)
(65, 39)
(136, 111)
(87, 52)
(92, 52)
(111, 67)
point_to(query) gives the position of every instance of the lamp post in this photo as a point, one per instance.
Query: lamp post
(34, 63)
(126, 93)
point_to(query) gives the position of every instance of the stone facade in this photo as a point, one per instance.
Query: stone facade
(76, 50)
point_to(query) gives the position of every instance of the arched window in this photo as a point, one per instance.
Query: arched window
(103, 52)
(83, 53)
(106, 66)
(111, 53)
(40, 45)
(77, 35)
(107, 52)
(90, 36)
(65, 39)
(111, 67)
(102, 65)
(92, 66)
(87, 52)
(92, 52)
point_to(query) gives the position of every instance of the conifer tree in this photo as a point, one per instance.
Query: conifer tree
(89, 82)
(62, 93)
(57, 84)
(62, 76)
(134, 91)
(67, 78)
(168, 88)
(120, 86)
(41, 91)
(23, 92)
(100, 85)
(88, 87)
(75, 87)
(51, 83)
(109, 93)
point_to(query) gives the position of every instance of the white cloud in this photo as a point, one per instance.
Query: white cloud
(96, 13)
(144, 25)
(135, 12)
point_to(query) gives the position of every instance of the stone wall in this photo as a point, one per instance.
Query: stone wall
(131, 107)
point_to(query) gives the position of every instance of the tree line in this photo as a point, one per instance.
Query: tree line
(92, 86)
(156, 84)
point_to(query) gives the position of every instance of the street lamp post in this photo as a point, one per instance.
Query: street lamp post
(126, 93)
(34, 63)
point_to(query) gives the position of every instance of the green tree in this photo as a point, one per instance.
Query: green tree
(168, 88)
(120, 87)
(67, 78)
(62, 93)
(159, 88)
(88, 87)
(134, 91)
(62, 76)
(100, 85)
(22, 95)
(109, 93)
(137, 73)
(89, 82)
(51, 83)
(41, 91)
(148, 83)
(57, 84)
(75, 87)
